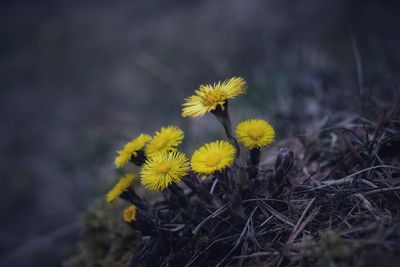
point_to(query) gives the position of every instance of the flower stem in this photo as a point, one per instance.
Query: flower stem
(254, 160)
(139, 159)
(133, 198)
(181, 198)
(231, 193)
(222, 115)
(200, 190)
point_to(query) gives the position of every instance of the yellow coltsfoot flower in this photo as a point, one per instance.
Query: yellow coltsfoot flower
(164, 169)
(123, 185)
(208, 96)
(255, 133)
(213, 157)
(167, 139)
(131, 149)
(130, 214)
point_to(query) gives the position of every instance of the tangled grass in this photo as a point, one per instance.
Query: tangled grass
(338, 202)
(333, 202)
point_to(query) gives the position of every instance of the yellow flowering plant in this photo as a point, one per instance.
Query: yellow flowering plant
(212, 195)
(121, 187)
(167, 139)
(209, 98)
(132, 151)
(130, 213)
(213, 157)
(164, 169)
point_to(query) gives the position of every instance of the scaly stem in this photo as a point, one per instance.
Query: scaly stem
(222, 115)
(139, 159)
(229, 188)
(131, 196)
(255, 154)
(200, 190)
(183, 201)
(254, 160)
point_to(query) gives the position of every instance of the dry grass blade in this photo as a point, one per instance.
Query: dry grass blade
(211, 216)
(276, 214)
(242, 234)
(298, 224)
(195, 257)
(382, 190)
(349, 178)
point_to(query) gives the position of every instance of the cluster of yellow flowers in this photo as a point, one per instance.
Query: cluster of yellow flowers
(163, 165)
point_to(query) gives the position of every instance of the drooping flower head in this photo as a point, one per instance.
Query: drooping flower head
(123, 184)
(208, 96)
(164, 169)
(167, 139)
(130, 214)
(255, 133)
(131, 149)
(213, 157)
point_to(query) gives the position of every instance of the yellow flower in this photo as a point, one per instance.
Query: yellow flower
(167, 139)
(208, 96)
(255, 133)
(164, 169)
(212, 157)
(130, 214)
(123, 184)
(131, 149)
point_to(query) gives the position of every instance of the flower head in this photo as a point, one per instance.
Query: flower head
(208, 96)
(164, 169)
(131, 149)
(123, 184)
(212, 157)
(167, 139)
(255, 133)
(130, 214)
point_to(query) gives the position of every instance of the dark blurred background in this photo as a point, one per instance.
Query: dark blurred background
(78, 79)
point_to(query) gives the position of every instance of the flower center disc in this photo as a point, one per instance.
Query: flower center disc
(256, 133)
(163, 167)
(213, 159)
(160, 142)
(128, 214)
(214, 97)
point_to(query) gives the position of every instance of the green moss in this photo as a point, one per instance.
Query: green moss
(106, 239)
(329, 251)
